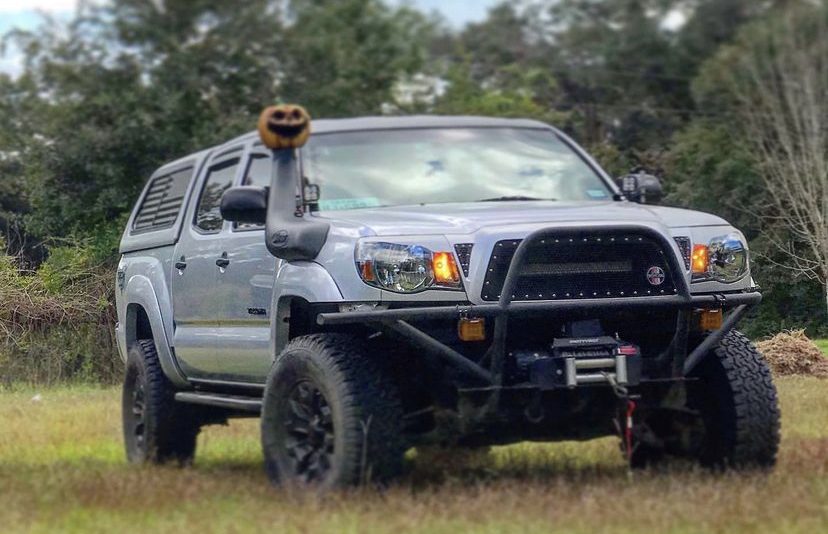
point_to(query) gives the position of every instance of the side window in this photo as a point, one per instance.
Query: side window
(258, 170)
(163, 201)
(220, 178)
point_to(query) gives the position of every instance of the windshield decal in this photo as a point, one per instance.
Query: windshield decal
(337, 204)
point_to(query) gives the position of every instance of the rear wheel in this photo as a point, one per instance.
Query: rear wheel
(732, 415)
(156, 428)
(330, 416)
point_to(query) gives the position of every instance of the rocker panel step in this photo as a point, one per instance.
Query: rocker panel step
(219, 400)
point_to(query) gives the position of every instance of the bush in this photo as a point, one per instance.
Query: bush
(57, 323)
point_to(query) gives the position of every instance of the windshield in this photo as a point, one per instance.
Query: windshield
(429, 166)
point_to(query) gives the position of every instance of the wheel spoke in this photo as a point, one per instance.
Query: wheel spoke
(300, 410)
(304, 392)
(309, 423)
(299, 451)
(294, 428)
(138, 401)
(138, 410)
(138, 432)
(326, 415)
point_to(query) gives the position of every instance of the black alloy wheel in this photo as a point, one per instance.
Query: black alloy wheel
(331, 417)
(137, 423)
(310, 441)
(157, 429)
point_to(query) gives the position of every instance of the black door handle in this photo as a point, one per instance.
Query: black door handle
(181, 265)
(222, 262)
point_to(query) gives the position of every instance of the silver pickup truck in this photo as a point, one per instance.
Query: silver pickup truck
(385, 283)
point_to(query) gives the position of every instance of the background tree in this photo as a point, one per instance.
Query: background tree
(777, 77)
(343, 57)
(133, 83)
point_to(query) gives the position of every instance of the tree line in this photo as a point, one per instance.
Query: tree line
(727, 106)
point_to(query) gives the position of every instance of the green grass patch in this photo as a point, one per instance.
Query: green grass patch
(62, 469)
(823, 345)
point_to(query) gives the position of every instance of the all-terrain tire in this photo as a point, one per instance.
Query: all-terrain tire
(330, 415)
(156, 428)
(739, 406)
(738, 412)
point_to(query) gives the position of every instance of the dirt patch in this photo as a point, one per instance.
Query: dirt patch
(793, 353)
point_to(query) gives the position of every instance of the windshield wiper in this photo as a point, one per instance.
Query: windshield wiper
(507, 199)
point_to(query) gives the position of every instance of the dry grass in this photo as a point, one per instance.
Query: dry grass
(62, 469)
(57, 322)
(793, 353)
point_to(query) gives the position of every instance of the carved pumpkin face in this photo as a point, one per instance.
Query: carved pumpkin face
(284, 126)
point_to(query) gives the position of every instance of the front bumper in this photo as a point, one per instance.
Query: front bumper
(712, 301)
(680, 362)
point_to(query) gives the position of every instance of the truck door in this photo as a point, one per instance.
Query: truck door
(247, 286)
(197, 262)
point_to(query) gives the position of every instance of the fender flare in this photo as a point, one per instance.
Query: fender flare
(298, 279)
(141, 293)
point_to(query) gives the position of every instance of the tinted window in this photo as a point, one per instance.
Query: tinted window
(258, 170)
(160, 207)
(429, 166)
(219, 180)
(257, 173)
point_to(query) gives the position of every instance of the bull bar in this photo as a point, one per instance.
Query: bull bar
(683, 301)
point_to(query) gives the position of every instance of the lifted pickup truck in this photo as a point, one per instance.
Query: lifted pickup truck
(391, 282)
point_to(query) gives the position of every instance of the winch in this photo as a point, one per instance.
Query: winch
(572, 362)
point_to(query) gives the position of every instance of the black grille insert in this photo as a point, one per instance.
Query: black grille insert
(686, 247)
(581, 265)
(464, 251)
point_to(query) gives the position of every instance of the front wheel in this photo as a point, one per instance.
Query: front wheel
(330, 416)
(156, 428)
(732, 415)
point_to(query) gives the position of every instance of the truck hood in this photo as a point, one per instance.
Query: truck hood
(467, 218)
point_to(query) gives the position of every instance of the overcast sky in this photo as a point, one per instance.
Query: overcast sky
(24, 14)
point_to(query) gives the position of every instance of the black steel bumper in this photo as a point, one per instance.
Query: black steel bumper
(682, 301)
(562, 308)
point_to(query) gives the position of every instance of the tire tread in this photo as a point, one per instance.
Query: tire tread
(171, 429)
(757, 424)
(370, 402)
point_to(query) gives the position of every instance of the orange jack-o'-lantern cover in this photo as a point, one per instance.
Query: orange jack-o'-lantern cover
(284, 126)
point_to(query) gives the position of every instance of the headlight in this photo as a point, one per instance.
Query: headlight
(405, 268)
(724, 259)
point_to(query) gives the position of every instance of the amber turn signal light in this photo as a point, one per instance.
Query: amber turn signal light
(700, 259)
(710, 319)
(367, 271)
(445, 270)
(471, 329)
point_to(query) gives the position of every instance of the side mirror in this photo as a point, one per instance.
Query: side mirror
(642, 188)
(245, 204)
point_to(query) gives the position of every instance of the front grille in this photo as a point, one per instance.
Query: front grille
(464, 251)
(686, 247)
(581, 265)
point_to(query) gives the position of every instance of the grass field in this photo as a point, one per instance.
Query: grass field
(62, 470)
